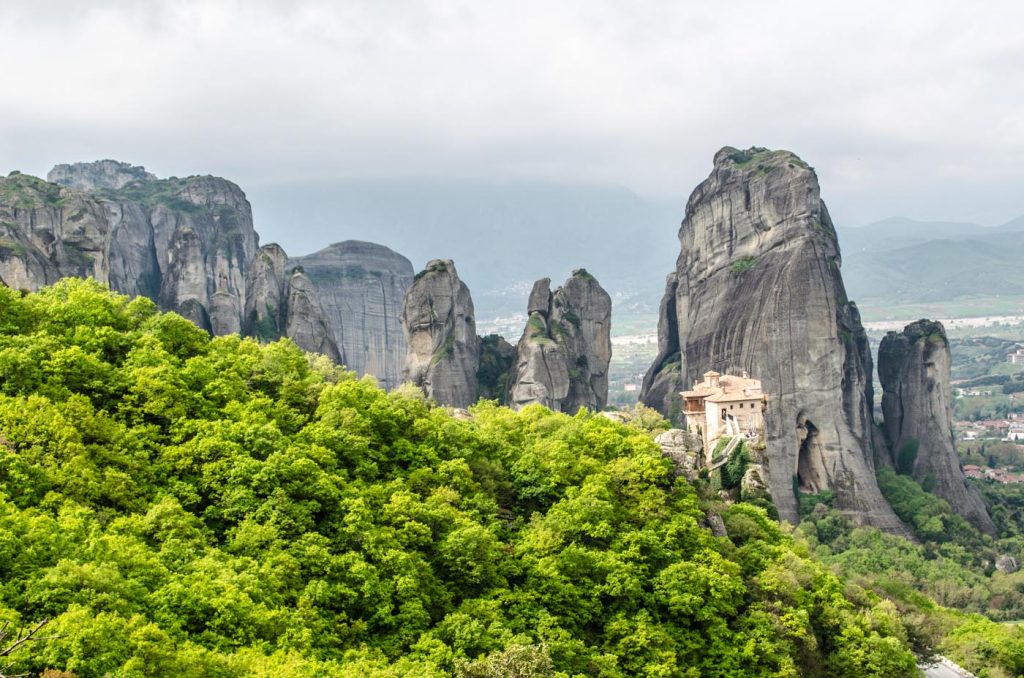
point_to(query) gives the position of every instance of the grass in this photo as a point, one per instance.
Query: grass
(743, 264)
(16, 248)
(27, 192)
(445, 351)
(761, 156)
(166, 192)
(436, 267)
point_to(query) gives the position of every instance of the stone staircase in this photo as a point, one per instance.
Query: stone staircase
(729, 448)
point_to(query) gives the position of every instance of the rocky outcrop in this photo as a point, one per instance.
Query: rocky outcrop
(562, 358)
(305, 322)
(185, 243)
(917, 402)
(758, 289)
(1007, 564)
(439, 326)
(48, 232)
(664, 380)
(361, 287)
(101, 174)
(189, 244)
(683, 448)
(265, 294)
(280, 304)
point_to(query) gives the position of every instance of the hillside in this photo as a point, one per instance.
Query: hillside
(188, 506)
(903, 262)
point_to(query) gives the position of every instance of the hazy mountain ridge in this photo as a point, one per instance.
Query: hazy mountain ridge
(905, 261)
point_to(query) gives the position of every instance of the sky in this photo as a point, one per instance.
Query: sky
(910, 108)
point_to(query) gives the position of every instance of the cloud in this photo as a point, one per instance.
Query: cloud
(909, 108)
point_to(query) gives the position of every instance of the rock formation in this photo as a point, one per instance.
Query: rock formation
(48, 232)
(684, 448)
(101, 174)
(664, 380)
(361, 287)
(185, 243)
(917, 402)
(439, 327)
(562, 358)
(189, 244)
(279, 306)
(305, 322)
(757, 289)
(265, 294)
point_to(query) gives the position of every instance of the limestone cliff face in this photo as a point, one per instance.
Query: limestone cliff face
(185, 243)
(189, 244)
(361, 287)
(758, 289)
(305, 322)
(664, 380)
(265, 294)
(280, 304)
(48, 232)
(91, 176)
(562, 358)
(914, 367)
(204, 239)
(439, 326)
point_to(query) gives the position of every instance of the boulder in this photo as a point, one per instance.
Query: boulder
(1007, 564)
(684, 448)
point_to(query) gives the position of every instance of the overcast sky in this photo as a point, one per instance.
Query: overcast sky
(905, 108)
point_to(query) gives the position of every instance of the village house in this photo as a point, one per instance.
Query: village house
(974, 471)
(1015, 432)
(724, 405)
(1017, 357)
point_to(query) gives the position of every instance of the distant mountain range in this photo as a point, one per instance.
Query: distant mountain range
(901, 261)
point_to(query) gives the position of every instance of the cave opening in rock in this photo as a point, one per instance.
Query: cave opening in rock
(810, 469)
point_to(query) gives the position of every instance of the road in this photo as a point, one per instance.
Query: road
(943, 668)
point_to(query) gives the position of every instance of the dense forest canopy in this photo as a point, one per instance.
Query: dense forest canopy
(181, 505)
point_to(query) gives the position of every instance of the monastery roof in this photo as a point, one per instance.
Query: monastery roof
(730, 388)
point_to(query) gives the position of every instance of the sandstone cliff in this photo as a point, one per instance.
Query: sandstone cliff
(48, 232)
(305, 322)
(361, 287)
(265, 294)
(562, 358)
(91, 176)
(439, 327)
(279, 305)
(917, 402)
(185, 243)
(758, 289)
(189, 244)
(664, 380)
